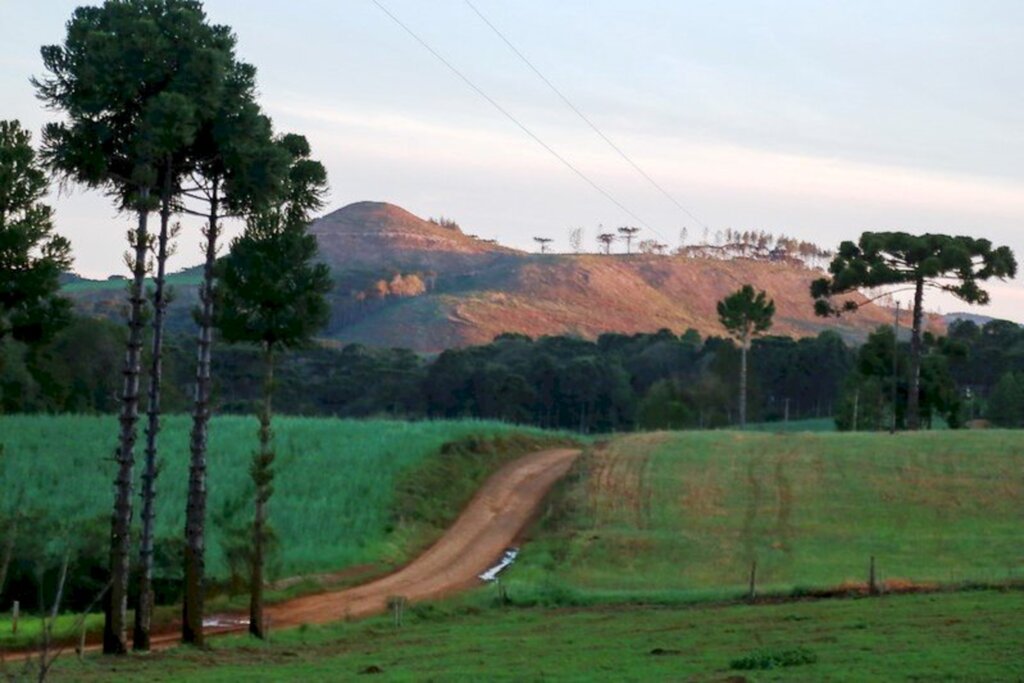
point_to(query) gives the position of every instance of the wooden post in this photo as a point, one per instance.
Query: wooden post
(81, 643)
(752, 591)
(856, 407)
(14, 617)
(397, 605)
(872, 578)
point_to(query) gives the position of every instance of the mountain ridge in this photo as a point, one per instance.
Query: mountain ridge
(403, 281)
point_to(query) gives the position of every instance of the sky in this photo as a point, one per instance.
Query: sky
(818, 119)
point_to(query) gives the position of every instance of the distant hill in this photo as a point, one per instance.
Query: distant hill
(975, 318)
(408, 282)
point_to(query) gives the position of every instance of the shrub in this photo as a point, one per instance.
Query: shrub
(774, 659)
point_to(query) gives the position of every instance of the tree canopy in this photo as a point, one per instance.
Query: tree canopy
(32, 257)
(135, 81)
(952, 264)
(746, 313)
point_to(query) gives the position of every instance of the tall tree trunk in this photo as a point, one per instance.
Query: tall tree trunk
(914, 393)
(12, 537)
(195, 513)
(116, 613)
(61, 580)
(262, 476)
(144, 606)
(743, 383)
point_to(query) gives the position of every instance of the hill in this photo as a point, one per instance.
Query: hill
(424, 284)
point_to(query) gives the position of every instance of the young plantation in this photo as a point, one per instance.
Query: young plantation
(335, 493)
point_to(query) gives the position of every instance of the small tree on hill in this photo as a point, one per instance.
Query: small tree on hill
(606, 239)
(274, 295)
(885, 259)
(628, 233)
(576, 239)
(745, 314)
(543, 242)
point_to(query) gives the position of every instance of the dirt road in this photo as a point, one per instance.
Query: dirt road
(491, 522)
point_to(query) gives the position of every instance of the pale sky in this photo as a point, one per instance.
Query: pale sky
(815, 119)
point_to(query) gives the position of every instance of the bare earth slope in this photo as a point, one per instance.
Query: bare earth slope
(402, 281)
(479, 290)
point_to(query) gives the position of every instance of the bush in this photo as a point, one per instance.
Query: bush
(774, 659)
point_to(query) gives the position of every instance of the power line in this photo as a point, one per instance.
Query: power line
(583, 116)
(512, 118)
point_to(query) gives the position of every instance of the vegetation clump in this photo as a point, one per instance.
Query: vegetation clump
(773, 659)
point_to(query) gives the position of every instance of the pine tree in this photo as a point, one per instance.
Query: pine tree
(745, 314)
(32, 257)
(884, 259)
(273, 294)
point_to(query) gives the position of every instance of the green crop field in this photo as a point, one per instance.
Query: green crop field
(973, 636)
(334, 491)
(675, 517)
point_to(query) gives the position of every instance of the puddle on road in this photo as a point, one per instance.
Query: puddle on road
(507, 559)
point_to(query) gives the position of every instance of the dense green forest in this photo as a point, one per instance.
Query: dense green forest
(616, 383)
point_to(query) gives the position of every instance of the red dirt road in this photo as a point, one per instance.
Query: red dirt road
(492, 521)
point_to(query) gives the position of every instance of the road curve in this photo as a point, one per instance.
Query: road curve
(492, 521)
(498, 513)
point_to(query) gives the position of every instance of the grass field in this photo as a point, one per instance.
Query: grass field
(676, 517)
(972, 636)
(173, 279)
(819, 424)
(334, 493)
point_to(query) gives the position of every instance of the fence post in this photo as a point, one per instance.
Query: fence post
(81, 643)
(14, 616)
(752, 591)
(397, 605)
(872, 578)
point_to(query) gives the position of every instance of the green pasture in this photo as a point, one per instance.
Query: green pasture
(972, 636)
(677, 517)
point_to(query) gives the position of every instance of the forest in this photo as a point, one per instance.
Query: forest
(617, 383)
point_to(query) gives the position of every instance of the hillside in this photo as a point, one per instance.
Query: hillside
(474, 290)
(409, 282)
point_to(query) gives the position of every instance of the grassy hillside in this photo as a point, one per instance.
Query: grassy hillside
(681, 516)
(966, 636)
(334, 493)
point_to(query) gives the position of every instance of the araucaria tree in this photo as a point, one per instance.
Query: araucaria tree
(890, 259)
(32, 257)
(628, 233)
(273, 294)
(237, 170)
(135, 80)
(745, 314)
